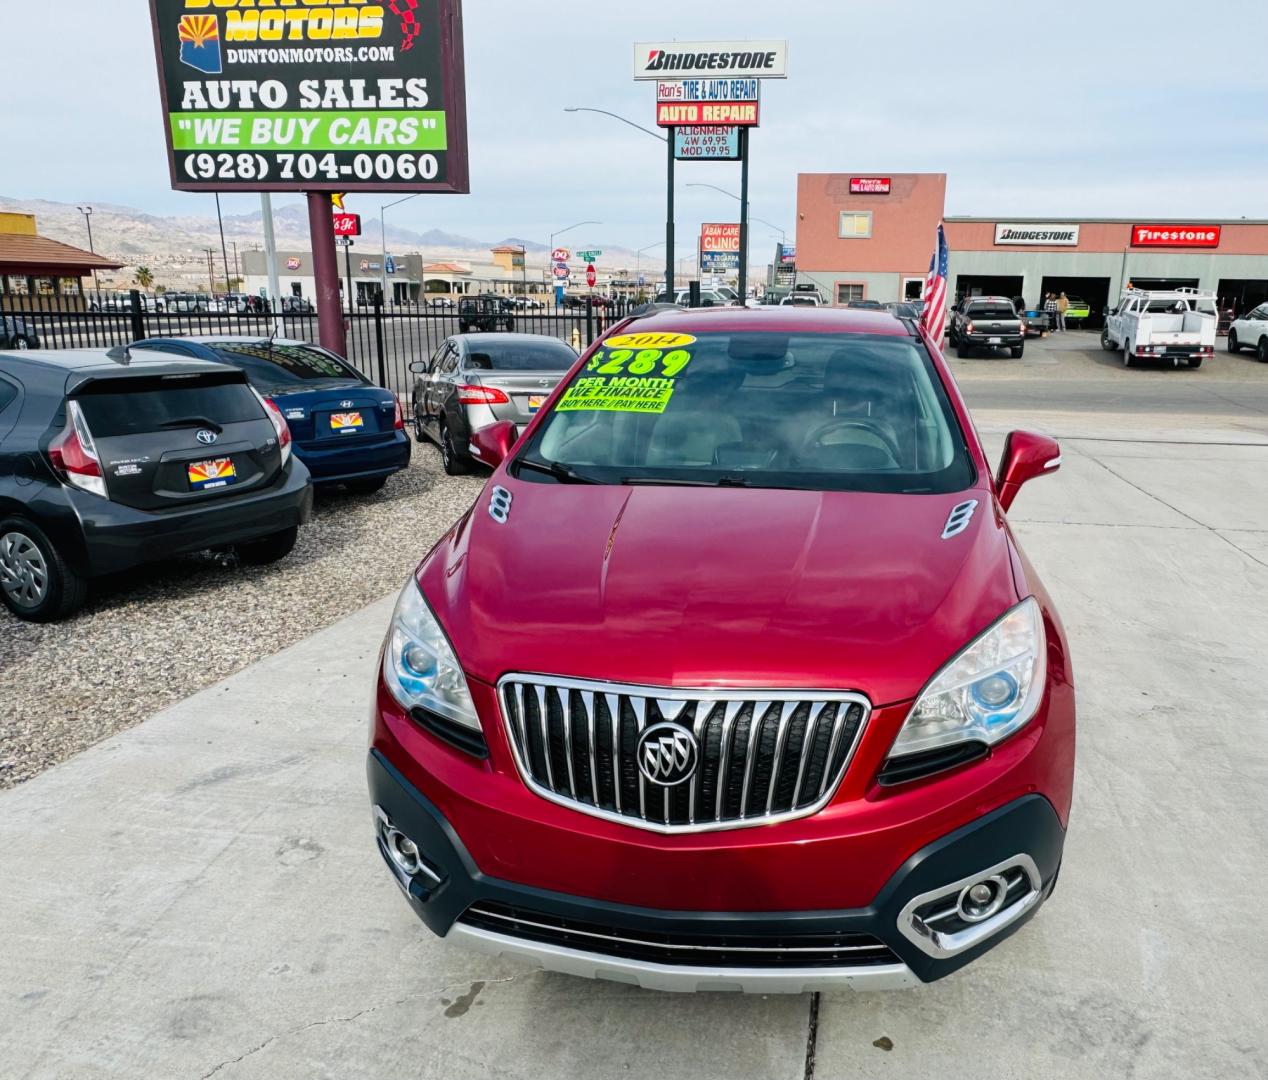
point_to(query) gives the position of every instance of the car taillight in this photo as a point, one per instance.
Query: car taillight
(399, 422)
(75, 456)
(968, 327)
(481, 395)
(279, 425)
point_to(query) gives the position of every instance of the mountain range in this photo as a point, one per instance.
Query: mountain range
(175, 247)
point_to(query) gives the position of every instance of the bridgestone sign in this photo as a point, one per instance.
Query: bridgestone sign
(734, 59)
(1048, 235)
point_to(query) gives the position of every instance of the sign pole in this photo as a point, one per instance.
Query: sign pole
(669, 220)
(270, 259)
(330, 326)
(743, 290)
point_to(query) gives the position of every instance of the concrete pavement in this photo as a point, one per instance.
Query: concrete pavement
(199, 896)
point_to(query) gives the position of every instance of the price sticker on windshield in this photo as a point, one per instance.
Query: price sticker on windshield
(631, 373)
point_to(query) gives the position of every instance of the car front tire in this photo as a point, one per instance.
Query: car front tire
(36, 584)
(268, 549)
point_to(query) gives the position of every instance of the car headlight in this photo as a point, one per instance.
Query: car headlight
(420, 666)
(987, 692)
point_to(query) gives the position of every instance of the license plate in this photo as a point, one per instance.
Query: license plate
(346, 421)
(536, 402)
(993, 341)
(216, 473)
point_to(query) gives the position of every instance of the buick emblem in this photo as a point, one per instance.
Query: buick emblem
(345, 404)
(206, 437)
(667, 754)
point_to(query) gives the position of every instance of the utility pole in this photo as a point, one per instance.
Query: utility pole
(224, 251)
(211, 270)
(237, 274)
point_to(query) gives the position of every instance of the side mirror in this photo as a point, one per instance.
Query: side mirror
(418, 367)
(491, 445)
(1026, 456)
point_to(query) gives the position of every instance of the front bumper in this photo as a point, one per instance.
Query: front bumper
(559, 931)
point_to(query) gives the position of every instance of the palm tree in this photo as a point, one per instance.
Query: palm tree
(144, 277)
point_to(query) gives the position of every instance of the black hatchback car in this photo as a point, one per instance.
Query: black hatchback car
(110, 460)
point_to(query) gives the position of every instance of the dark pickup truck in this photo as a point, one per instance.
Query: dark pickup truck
(987, 322)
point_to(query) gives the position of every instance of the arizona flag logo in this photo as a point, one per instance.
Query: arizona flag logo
(200, 43)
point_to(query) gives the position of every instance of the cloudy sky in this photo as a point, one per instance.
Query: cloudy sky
(1072, 108)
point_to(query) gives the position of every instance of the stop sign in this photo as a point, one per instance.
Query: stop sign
(590, 275)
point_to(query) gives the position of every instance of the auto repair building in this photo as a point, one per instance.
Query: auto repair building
(870, 236)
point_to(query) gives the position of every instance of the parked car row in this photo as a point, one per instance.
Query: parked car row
(171, 445)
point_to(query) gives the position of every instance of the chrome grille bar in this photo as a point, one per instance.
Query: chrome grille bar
(780, 752)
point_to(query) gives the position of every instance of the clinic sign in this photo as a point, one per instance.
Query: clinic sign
(720, 247)
(1008, 234)
(295, 95)
(1181, 236)
(704, 59)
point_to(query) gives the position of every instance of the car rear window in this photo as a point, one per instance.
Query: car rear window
(991, 311)
(285, 367)
(150, 403)
(847, 412)
(544, 354)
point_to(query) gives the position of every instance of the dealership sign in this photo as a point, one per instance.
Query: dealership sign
(1189, 236)
(1056, 235)
(707, 143)
(734, 59)
(869, 185)
(340, 95)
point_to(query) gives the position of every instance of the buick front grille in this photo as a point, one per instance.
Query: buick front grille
(712, 948)
(716, 759)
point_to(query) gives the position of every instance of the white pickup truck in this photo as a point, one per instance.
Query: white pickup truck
(1178, 325)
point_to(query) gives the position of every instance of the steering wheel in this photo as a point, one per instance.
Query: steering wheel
(841, 423)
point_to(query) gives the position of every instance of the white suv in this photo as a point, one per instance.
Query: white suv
(1250, 330)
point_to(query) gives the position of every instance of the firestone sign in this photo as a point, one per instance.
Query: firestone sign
(1189, 236)
(312, 95)
(1057, 235)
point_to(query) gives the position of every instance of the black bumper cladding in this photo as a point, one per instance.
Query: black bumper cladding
(453, 894)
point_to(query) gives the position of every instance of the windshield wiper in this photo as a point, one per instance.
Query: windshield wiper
(666, 481)
(565, 474)
(193, 421)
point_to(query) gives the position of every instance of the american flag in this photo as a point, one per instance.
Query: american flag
(934, 315)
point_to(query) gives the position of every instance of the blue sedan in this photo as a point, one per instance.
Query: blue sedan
(344, 428)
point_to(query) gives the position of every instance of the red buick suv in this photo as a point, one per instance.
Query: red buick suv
(734, 676)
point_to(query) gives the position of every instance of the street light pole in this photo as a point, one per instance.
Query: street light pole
(383, 239)
(87, 212)
(224, 251)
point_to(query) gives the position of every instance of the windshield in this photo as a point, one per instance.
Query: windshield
(848, 412)
(542, 354)
(279, 367)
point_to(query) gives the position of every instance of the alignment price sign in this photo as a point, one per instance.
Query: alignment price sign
(297, 95)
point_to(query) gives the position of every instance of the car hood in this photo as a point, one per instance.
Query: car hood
(678, 586)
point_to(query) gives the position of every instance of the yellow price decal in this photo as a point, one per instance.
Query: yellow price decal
(649, 341)
(656, 362)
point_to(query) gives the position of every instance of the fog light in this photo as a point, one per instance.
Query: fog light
(404, 852)
(982, 899)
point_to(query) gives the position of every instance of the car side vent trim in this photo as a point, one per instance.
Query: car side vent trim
(500, 505)
(959, 518)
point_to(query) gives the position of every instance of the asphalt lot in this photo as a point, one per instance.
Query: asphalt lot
(200, 895)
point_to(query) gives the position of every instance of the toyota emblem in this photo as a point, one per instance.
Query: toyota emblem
(206, 437)
(667, 754)
(345, 404)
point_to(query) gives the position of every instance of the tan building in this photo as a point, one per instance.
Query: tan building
(34, 266)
